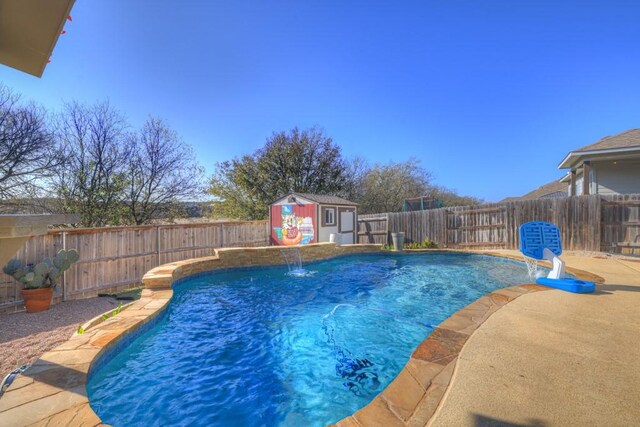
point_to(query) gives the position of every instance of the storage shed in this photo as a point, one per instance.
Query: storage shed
(301, 218)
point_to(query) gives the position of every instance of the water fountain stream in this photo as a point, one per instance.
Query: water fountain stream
(293, 259)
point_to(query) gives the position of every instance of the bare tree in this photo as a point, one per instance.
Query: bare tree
(449, 197)
(356, 170)
(28, 155)
(161, 172)
(93, 178)
(385, 186)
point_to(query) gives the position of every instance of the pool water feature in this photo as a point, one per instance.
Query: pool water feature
(293, 258)
(258, 347)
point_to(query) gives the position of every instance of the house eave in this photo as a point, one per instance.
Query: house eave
(29, 31)
(574, 156)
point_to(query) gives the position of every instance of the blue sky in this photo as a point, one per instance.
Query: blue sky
(490, 95)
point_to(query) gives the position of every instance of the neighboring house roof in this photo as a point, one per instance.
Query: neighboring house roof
(553, 189)
(509, 199)
(628, 141)
(322, 199)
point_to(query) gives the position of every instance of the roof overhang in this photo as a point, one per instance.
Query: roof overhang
(300, 198)
(293, 198)
(575, 157)
(29, 30)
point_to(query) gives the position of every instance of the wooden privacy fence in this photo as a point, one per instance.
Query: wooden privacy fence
(373, 229)
(591, 223)
(114, 258)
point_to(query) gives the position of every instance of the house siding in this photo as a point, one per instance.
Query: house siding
(620, 178)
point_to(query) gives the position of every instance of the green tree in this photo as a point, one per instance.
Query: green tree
(235, 191)
(305, 161)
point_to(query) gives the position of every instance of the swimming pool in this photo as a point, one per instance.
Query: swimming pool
(259, 347)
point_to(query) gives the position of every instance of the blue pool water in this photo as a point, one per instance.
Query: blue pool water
(257, 347)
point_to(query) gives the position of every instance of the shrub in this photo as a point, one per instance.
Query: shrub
(426, 244)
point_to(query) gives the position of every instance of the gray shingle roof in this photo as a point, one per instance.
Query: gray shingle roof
(550, 190)
(325, 199)
(547, 190)
(630, 138)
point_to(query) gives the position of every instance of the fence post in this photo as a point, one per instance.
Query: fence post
(387, 229)
(445, 225)
(600, 217)
(158, 243)
(222, 235)
(65, 293)
(268, 231)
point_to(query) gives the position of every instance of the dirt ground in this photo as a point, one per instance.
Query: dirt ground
(26, 336)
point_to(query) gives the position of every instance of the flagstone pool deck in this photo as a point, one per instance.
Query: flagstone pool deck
(516, 355)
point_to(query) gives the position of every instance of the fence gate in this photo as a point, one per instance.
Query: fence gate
(476, 227)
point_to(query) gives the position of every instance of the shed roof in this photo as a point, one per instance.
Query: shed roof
(322, 199)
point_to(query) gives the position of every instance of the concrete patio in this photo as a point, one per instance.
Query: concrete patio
(554, 358)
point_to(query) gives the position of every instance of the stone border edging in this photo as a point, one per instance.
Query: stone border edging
(95, 321)
(413, 397)
(53, 390)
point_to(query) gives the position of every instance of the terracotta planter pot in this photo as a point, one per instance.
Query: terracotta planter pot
(36, 300)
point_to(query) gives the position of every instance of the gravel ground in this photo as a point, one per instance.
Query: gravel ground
(26, 336)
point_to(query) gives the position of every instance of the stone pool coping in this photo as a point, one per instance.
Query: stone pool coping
(53, 390)
(412, 398)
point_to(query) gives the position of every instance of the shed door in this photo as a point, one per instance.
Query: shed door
(346, 222)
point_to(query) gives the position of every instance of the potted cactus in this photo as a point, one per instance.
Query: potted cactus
(40, 280)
